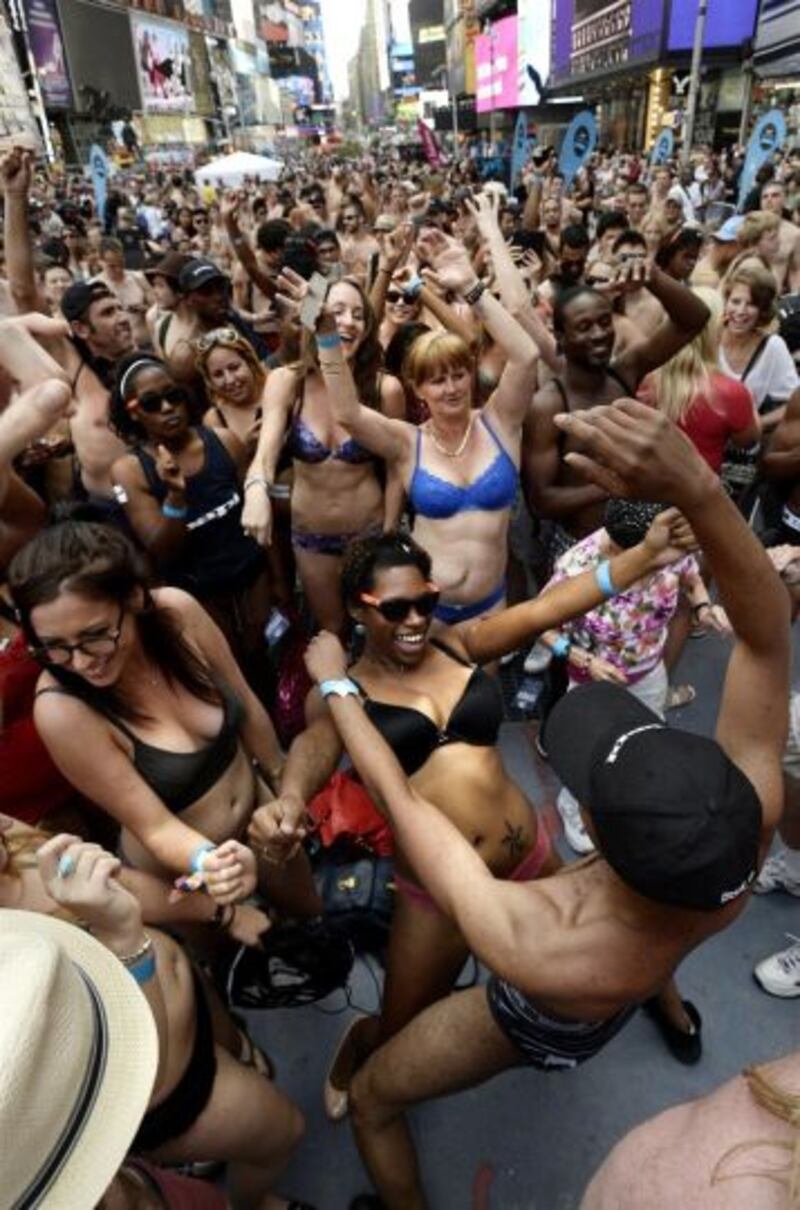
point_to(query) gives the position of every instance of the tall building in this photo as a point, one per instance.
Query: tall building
(314, 39)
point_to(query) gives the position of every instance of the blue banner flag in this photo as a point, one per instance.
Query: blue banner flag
(99, 170)
(579, 143)
(769, 135)
(520, 149)
(663, 148)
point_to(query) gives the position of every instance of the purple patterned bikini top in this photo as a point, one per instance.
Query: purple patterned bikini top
(304, 445)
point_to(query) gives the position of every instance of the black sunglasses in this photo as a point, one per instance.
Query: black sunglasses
(153, 401)
(397, 609)
(396, 296)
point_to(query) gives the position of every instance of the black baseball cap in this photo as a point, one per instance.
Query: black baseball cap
(675, 818)
(78, 298)
(199, 273)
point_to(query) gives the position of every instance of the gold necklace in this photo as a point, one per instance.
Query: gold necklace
(463, 444)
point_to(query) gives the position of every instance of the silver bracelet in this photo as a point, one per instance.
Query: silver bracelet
(262, 479)
(144, 949)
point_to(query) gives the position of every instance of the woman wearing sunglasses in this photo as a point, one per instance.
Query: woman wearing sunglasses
(338, 489)
(144, 710)
(425, 691)
(180, 488)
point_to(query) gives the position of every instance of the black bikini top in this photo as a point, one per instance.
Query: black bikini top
(413, 737)
(182, 778)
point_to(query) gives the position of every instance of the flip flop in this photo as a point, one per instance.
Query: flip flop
(679, 696)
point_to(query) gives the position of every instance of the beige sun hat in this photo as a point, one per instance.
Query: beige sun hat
(78, 1056)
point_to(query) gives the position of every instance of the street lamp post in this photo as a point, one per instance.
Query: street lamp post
(694, 83)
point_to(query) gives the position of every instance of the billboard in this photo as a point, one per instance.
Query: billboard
(496, 66)
(47, 48)
(533, 50)
(593, 36)
(726, 24)
(16, 120)
(163, 62)
(99, 78)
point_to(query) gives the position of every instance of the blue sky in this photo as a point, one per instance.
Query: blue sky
(342, 20)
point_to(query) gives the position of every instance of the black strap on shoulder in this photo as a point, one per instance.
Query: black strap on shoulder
(755, 357)
(454, 655)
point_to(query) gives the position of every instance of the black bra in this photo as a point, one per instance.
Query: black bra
(413, 737)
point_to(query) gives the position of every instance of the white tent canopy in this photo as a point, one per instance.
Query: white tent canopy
(232, 169)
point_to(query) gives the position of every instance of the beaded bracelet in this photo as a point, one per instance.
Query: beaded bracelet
(144, 949)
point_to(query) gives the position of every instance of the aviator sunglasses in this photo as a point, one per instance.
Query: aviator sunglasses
(397, 609)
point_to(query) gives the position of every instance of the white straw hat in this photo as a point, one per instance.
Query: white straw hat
(78, 1057)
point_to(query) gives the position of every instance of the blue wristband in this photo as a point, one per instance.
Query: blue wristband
(143, 971)
(173, 512)
(561, 647)
(198, 858)
(602, 574)
(328, 340)
(415, 287)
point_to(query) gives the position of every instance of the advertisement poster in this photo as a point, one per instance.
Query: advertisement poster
(579, 143)
(200, 75)
(163, 62)
(496, 66)
(726, 24)
(533, 50)
(16, 120)
(769, 135)
(594, 36)
(47, 46)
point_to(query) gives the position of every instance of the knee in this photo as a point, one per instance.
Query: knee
(367, 1110)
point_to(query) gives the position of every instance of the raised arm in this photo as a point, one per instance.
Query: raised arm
(15, 172)
(242, 248)
(488, 638)
(687, 315)
(635, 451)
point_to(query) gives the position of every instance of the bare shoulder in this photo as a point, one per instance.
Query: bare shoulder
(57, 712)
(181, 603)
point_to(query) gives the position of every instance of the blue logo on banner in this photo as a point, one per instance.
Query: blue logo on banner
(579, 143)
(663, 147)
(769, 135)
(520, 149)
(98, 170)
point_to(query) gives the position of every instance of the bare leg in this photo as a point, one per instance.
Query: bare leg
(320, 576)
(671, 1004)
(454, 1044)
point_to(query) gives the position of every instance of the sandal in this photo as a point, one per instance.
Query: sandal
(679, 696)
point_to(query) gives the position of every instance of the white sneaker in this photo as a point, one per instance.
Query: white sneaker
(774, 875)
(537, 659)
(780, 974)
(577, 836)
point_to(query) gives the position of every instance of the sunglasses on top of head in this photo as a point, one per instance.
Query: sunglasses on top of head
(153, 401)
(397, 609)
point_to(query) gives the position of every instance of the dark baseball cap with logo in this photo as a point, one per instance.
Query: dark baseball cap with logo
(78, 298)
(199, 273)
(674, 817)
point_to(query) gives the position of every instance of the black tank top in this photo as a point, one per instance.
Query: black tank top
(217, 556)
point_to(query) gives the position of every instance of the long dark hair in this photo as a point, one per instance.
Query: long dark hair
(368, 360)
(99, 562)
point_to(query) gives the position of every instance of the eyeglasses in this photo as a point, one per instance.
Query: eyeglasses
(99, 645)
(625, 257)
(220, 336)
(397, 609)
(153, 401)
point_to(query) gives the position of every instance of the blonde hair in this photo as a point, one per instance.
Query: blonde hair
(689, 372)
(433, 352)
(781, 1104)
(242, 347)
(754, 225)
(751, 271)
(655, 218)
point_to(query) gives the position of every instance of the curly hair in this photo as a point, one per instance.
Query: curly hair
(364, 558)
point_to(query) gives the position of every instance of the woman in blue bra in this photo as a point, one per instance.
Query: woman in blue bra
(460, 469)
(424, 689)
(338, 493)
(145, 711)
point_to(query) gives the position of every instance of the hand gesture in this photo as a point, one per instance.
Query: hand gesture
(278, 828)
(81, 878)
(229, 207)
(395, 247)
(168, 471)
(449, 259)
(15, 171)
(633, 451)
(230, 873)
(484, 210)
(292, 289)
(257, 514)
(632, 275)
(325, 658)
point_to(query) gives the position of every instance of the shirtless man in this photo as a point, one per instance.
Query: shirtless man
(584, 326)
(786, 263)
(359, 245)
(590, 943)
(128, 287)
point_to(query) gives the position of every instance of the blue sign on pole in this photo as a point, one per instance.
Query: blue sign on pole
(663, 148)
(769, 135)
(579, 143)
(520, 148)
(99, 171)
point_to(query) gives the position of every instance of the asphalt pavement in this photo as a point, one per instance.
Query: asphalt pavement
(534, 1139)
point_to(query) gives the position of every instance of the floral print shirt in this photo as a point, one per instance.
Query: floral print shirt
(630, 629)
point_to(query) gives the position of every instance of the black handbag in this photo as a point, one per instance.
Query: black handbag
(294, 965)
(358, 897)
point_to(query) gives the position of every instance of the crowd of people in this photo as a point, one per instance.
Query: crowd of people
(287, 474)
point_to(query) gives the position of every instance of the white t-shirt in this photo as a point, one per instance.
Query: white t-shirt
(774, 375)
